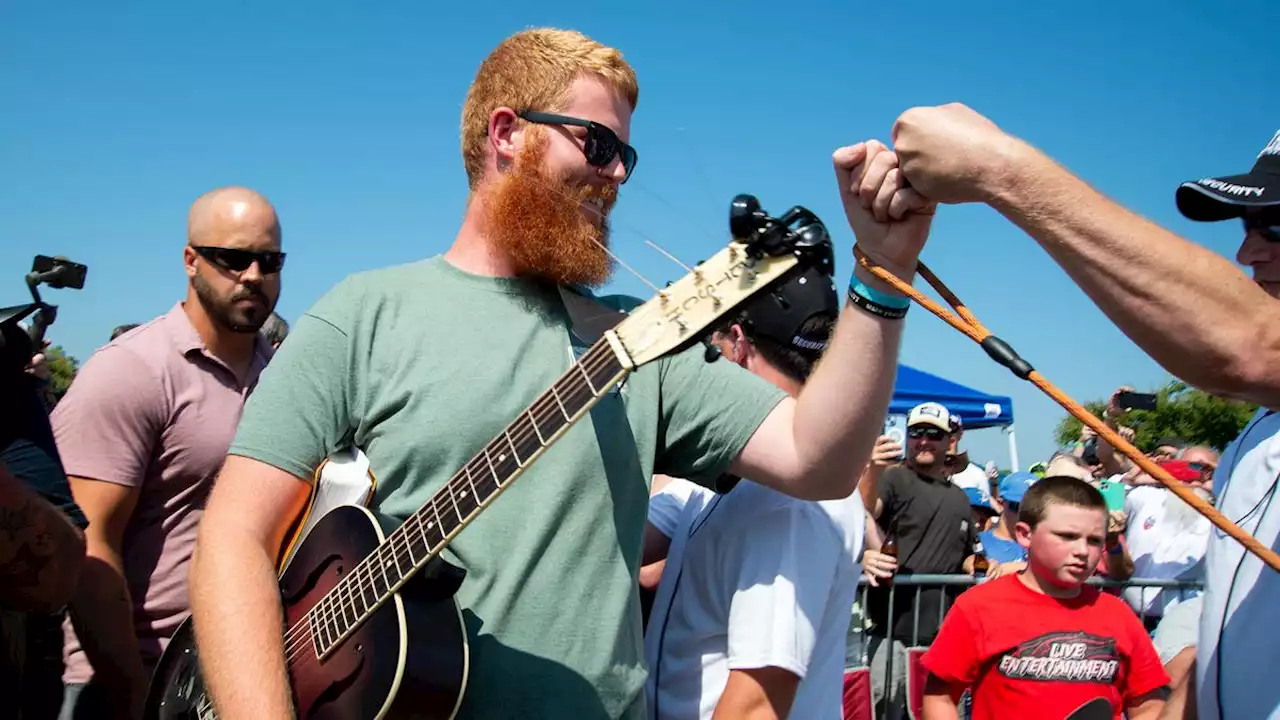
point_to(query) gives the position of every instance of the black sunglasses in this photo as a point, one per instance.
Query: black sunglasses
(1202, 468)
(601, 146)
(932, 433)
(269, 263)
(1269, 227)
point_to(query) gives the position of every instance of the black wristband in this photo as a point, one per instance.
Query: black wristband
(877, 309)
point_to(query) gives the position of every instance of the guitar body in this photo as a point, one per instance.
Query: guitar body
(409, 660)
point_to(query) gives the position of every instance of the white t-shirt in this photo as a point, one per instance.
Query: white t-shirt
(1162, 549)
(753, 579)
(1238, 657)
(972, 476)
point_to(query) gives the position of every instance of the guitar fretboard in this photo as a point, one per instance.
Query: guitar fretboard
(425, 533)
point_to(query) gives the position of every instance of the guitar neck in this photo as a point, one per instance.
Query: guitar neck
(426, 532)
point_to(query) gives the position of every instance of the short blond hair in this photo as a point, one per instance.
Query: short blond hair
(534, 69)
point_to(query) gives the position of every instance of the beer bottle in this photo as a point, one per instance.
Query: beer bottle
(890, 548)
(980, 562)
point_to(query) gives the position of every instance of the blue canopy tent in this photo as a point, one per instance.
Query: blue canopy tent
(976, 409)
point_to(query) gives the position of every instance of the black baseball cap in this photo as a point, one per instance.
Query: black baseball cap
(1232, 196)
(780, 314)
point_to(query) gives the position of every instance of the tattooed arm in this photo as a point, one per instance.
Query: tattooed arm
(40, 550)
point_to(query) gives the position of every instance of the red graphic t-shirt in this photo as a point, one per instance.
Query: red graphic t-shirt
(1026, 654)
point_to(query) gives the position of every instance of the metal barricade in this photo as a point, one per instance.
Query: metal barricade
(866, 638)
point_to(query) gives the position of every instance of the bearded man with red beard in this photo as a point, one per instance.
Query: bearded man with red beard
(421, 365)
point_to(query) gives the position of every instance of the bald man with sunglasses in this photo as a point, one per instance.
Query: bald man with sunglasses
(142, 432)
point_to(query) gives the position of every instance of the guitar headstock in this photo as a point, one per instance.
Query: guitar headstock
(764, 251)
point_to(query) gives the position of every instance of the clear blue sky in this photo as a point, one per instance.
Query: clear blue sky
(114, 119)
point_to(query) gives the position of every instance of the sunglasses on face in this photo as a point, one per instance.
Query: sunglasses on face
(601, 145)
(1269, 227)
(269, 263)
(932, 433)
(1203, 468)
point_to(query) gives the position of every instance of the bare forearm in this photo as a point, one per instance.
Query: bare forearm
(1112, 462)
(1192, 310)
(41, 552)
(940, 707)
(869, 488)
(235, 604)
(757, 694)
(102, 613)
(841, 410)
(1119, 566)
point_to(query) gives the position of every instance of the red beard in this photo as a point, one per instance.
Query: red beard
(539, 224)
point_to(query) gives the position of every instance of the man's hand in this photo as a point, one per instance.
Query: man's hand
(39, 364)
(889, 220)
(1116, 522)
(877, 566)
(1114, 411)
(887, 452)
(995, 570)
(951, 154)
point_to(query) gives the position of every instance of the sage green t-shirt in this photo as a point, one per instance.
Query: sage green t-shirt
(420, 365)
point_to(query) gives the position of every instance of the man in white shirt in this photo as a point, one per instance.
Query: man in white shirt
(1167, 538)
(754, 601)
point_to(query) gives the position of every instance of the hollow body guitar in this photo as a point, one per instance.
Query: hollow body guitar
(372, 629)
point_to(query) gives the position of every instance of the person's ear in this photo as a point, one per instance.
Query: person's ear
(504, 135)
(1022, 533)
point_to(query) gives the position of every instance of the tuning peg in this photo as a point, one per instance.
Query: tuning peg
(745, 216)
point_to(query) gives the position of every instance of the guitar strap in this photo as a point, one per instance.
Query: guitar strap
(589, 318)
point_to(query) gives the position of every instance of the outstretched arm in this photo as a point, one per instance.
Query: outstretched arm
(1189, 308)
(814, 447)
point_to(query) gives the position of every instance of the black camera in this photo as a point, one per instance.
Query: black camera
(17, 346)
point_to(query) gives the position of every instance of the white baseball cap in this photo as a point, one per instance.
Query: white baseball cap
(930, 413)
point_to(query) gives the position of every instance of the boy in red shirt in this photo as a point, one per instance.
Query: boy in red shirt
(1041, 643)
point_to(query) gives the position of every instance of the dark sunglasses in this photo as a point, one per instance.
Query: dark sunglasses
(601, 146)
(1270, 230)
(931, 433)
(1202, 468)
(269, 263)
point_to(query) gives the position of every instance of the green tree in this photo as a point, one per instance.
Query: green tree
(1181, 411)
(63, 368)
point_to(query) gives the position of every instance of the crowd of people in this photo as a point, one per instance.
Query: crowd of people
(695, 548)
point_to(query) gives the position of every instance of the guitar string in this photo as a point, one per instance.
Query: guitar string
(463, 481)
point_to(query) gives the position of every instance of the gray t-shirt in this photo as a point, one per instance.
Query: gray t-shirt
(420, 365)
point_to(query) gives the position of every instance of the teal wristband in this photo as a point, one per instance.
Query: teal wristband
(862, 290)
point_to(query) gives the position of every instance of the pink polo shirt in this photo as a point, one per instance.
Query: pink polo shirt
(156, 411)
